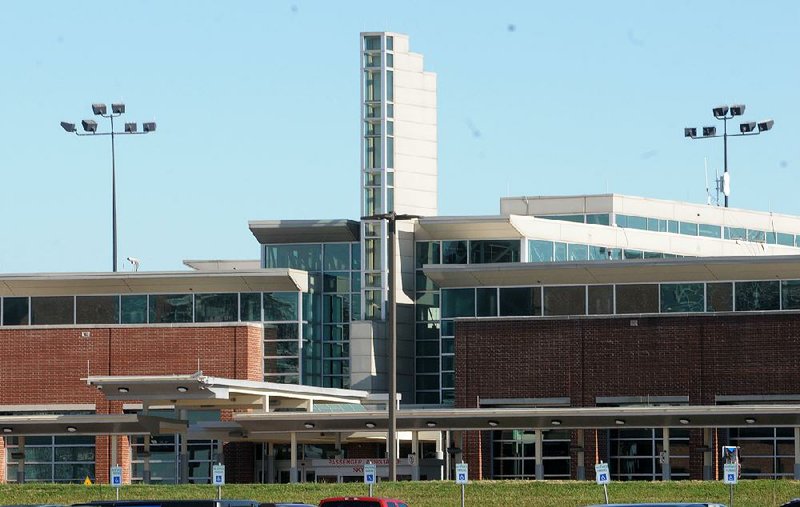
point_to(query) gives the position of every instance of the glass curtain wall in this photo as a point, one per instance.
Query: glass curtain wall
(514, 454)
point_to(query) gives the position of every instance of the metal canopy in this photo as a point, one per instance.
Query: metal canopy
(202, 391)
(628, 271)
(269, 232)
(533, 418)
(92, 424)
(262, 280)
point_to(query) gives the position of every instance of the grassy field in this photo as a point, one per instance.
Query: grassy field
(432, 494)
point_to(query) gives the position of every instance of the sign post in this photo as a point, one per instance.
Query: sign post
(370, 473)
(462, 478)
(116, 478)
(603, 477)
(218, 478)
(730, 477)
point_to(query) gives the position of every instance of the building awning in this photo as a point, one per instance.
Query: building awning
(92, 424)
(531, 418)
(260, 280)
(607, 272)
(270, 232)
(457, 228)
(202, 391)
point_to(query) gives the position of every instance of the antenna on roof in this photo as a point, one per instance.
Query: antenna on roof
(708, 193)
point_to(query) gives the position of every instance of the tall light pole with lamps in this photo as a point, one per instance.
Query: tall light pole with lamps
(90, 129)
(726, 113)
(391, 436)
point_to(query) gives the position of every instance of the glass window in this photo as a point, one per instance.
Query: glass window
(735, 233)
(601, 299)
(710, 231)
(672, 226)
(653, 224)
(336, 282)
(633, 254)
(688, 228)
(250, 306)
(427, 253)
(756, 236)
(719, 297)
(559, 252)
(280, 306)
(170, 308)
(682, 297)
(52, 310)
(486, 302)
(336, 308)
(372, 250)
(790, 294)
(389, 85)
(372, 86)
(598, 218)
(282, 365)
(425, 283)
(281, 348)
(635, 222)
(565, 300)
(336, 256)
(427, 306)
(305, 257)
(389, 60)
(520, 301)
(785, 239)
(15, 311)
(134, 309)
(97, 309)
(355, 256)
(389, 159)
(621, 220)
(458, 303)
(373, 110)
(755, 296)
(599, 253)
(577, 252)
(639, 298)
(215, 307)
(579, 219)
(372, 60)
(454, 252)
(372, 42)
(428, 331)
(540, 251)
(427, 348)
(390, 43)
(772, 238)
(372, 153)
(494, 250)
(274, 332)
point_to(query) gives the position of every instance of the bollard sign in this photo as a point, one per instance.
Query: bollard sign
(218, 475)
(601, 473)
(730, 473)
(370, 471)
(462, 473)
(116, 477)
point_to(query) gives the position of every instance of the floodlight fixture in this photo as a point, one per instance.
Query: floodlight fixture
(690, 132)
(130, 128)
(99, 109)
(370, 425)
(556, 422)
(750, 420)
(684, 420)
(71, 429)
(747, 127)
(493, 423)
(89, 126)
(737, 109)
(8, 429)
(309, 425)
(69, 127)
(118, 108)
(149, 126)
(765, 125)
(430, 424)
(709, 131)
(720, 111)
(619, 422)
(182, 389)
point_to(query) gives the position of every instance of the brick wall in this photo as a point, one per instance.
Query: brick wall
(695, 356)
(44, 366)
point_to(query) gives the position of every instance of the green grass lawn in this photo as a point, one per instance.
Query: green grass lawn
(432, 494)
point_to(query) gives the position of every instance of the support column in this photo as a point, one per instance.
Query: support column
(708, 472)
(146, 474)
(539, 445)
(114, 451)
(440, 454)
(417, 455)
(184, 451)
(293, 460)
(270, 465)
(581, 457)
(666, 468)
(21, 460)
(447, 458)
(797, 453)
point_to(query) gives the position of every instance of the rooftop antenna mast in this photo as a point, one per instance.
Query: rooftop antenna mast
(719, 186)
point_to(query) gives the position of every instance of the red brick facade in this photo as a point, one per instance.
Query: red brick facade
(698, 357)
(44, 365)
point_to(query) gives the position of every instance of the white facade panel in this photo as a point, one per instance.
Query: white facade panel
(408, 61)
(411, 164)
(409, 130)
(415, 147)
(415, 114)
(415, 180)
(415, 97)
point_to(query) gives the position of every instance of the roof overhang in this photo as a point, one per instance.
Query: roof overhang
(481, 227)
(202, 391)
(269, 232)
(534, 418)
(92, 424)
(260, 280)
(627, 271)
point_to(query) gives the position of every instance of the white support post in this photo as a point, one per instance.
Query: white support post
(581, 469)
(797, 454)
(666, 468)
(184, 451)
(146, 474)
(539, 469)
(293, 458)
(417, 455)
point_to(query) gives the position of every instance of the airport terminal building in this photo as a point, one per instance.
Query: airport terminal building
(532, 343)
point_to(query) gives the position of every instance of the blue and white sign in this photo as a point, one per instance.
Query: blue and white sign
(601, 473)
(462, 473)
(370, 471)
(730, 473)
(218, 475)
(116, 477)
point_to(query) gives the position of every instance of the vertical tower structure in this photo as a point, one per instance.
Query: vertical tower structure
(398, 151)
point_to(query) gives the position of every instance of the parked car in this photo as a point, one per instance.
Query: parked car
(361, 501)
(792, 503)
(282, 504)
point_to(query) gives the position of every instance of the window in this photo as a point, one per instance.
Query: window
(15, 311)
(216, 307)
(682, 297)
(52, 310)
(790, 294)
(336, 256)
(710, 231)
(427, 253)
(577, 252)
(540, 251)
(458, 303)
(486, 302)
(372, 43)
(170, 308)
(66, 459)
(565, 300)
(719, 297)
(520, 301)
(757, 296)
(250, 307)
(688, 228)
(96, 309)
(134, 309)
(454, 252)
(639, 298)
(491, 251)
(305, 257)
(601, 299)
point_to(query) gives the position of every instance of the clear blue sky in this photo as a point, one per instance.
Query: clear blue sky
(258, 114)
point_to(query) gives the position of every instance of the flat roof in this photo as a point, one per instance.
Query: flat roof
(269, 232)
(91, 424)
(617, 271)
(260, 280)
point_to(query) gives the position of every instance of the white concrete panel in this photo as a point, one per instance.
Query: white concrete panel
(410, 164)
(414, 147)
(430, 81)
(410, 130)
(408, 62)
(415, 114)
(414, 97)
(401, 44)
(416, 181)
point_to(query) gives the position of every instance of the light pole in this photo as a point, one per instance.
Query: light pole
(391, 436)
(90, 129)
(726, 113)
